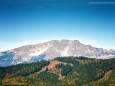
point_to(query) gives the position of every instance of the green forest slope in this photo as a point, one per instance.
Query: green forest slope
(62, 71)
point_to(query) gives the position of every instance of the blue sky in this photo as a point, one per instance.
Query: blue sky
(24, 22)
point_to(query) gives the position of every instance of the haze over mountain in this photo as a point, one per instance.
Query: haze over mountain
(50, 50)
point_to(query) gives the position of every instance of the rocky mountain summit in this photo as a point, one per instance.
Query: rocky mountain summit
(50, 50)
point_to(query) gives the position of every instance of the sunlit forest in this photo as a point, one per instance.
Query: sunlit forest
(62, 71)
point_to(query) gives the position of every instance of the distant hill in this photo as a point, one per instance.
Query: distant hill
(62, 71)
(50, 50)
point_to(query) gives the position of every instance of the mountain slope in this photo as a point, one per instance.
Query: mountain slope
(83, 72)
(50, 50)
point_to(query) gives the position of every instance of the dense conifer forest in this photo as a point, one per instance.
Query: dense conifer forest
(62, 71)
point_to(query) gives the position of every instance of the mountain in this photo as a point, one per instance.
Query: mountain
(62, 71)
(50, 50)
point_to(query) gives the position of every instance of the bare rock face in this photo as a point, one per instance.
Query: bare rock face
(50, 50)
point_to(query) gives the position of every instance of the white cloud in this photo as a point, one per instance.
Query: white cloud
(11, 45)
(99, 44)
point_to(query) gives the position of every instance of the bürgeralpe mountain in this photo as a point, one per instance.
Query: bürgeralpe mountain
(50, 50)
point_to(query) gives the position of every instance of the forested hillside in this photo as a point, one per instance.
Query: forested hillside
(62, 71)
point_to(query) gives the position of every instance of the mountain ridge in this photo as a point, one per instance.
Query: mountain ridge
(50, 50)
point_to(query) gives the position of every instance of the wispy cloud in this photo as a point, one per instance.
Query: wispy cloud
(11, 45)
(99, 44)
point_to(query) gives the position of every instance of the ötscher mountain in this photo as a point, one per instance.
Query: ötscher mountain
(50, 50)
